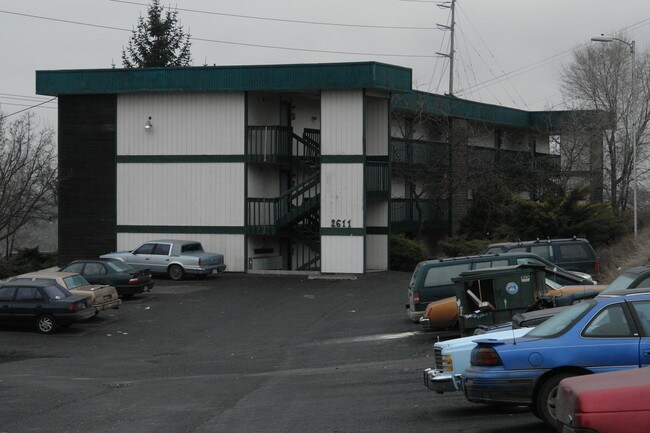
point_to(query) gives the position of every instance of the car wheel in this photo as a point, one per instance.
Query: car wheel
(46, 324)
(547, 397)
(175, 272)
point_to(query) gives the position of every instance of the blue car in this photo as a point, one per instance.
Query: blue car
(609, 333)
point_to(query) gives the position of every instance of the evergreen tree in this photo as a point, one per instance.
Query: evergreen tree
(158, 41)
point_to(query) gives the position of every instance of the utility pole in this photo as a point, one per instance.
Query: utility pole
(450, 5)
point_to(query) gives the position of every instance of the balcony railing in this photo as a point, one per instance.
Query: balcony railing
(377, 180)
(269, 143)
(419, 152)
(512, 162)
(405, 216)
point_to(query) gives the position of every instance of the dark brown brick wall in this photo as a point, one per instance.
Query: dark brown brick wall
(87, 176)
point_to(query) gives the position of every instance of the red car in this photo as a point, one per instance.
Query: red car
(605, 403)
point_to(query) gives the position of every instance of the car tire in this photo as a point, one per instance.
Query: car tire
(46, 324)
(546, 398)
(175, 272)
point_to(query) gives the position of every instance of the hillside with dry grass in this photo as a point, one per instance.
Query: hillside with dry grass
(626, 253)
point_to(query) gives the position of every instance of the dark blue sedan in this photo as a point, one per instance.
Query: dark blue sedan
(42, 304)
(125, 278)
(609, 333)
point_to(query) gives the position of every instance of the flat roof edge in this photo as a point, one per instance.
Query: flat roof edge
(297, 77)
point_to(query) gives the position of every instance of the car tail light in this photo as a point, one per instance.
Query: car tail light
(73, 307)
(199, 261)
(134, 281)
(597, 267)
(416, 297)
(485, 357)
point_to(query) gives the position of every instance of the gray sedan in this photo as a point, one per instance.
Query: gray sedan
(175, 258)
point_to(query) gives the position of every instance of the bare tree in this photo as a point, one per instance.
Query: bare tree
(430, 165)
(28, 176)
(600, 79)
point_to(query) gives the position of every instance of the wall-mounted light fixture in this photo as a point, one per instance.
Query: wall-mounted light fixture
(147, 124)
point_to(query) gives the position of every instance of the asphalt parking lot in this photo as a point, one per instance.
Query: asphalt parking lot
(240, 353)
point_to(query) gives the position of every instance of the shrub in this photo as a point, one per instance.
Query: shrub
(25, 260)
(406, 253)
(459, 246)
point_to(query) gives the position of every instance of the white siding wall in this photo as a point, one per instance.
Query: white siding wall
(198, 194)
(183, 124)
(376, 126)
(377, 252)
(342, 194)
(342, 122)
(342, 254)
(231, 246)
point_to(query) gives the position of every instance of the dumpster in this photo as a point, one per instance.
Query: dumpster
(491, 296)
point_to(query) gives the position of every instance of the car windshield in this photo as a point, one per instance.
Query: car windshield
(119, 266)
(620, 283)
(56, 292)
(561, 322)
(74, 281)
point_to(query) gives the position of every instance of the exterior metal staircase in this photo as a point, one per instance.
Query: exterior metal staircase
(296, 213)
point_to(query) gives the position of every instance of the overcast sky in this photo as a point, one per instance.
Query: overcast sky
(508, 52)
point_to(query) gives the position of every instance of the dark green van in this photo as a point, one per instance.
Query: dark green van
(432, 279)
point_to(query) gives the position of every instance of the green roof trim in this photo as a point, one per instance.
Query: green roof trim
(443, 105)
(299, 77)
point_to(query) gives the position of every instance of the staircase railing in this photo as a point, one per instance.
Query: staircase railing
(268, 215)
(296, 212)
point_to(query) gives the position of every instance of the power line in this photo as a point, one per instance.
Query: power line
(34, 97)
(540, 63)
(18, 98)
(284, 20)
(40, 17)
(275, 47)
(307, 50)
(25, 105)
(435, 67)
(28, 108)
(495, 61)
